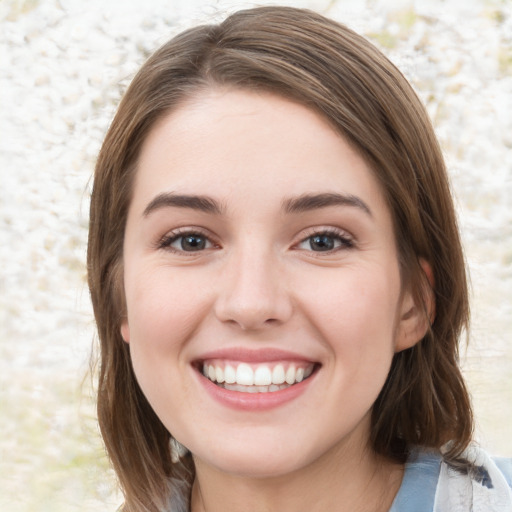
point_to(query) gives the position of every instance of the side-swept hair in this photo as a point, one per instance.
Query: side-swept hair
(325, 66)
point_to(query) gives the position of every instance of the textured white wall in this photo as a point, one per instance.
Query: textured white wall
(63, 65)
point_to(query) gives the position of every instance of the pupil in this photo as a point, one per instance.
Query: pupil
(192, 243)
(322, 243)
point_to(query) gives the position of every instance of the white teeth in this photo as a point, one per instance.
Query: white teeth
(263, 376)
(278, 375)
(260, 380)
(244, 375)
(290, 374)
(229, 374)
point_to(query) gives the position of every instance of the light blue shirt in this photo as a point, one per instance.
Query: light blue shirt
(418, 489)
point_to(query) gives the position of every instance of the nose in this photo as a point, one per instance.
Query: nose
(252, 292)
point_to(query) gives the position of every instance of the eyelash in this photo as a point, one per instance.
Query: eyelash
(345, 241)
(168, 239)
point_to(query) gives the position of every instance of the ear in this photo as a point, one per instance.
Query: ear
(125, 330)
(416, 318)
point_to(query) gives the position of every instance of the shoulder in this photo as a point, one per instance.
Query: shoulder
(418, 489)
(486, 487)
(432, 485)
(505, 466)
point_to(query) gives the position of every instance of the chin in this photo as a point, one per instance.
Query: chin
(256, 461)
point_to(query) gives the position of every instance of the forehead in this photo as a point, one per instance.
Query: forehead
(235, 144)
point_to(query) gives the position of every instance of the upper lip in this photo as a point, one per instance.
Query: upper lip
(261, 355)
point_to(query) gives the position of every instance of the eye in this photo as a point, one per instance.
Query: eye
(326, 241)
(186, 242)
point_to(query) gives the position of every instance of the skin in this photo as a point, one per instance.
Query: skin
(258, 283)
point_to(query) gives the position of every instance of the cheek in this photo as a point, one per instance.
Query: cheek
(164, 309)
(164, 312)
(360, 298)
(355, 314)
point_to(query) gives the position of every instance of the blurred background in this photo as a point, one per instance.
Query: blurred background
(63, 67)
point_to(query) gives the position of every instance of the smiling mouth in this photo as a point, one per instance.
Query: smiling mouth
(256, 378)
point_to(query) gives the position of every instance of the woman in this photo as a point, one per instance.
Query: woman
(278, 282)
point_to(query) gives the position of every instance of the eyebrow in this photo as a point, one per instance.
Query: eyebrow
(169, 199)
(309, 202)
(300, 204)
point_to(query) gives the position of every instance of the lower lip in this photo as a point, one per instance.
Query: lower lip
(255, 401)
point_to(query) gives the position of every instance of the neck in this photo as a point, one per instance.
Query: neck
(346, 478)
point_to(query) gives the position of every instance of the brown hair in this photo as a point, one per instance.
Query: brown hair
(300, 55)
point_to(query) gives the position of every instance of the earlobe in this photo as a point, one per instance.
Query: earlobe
(417, 312)
(125, 331)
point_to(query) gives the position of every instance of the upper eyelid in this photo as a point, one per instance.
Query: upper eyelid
(331, 230)
(185, 230)
(176, 233)
(348, 240)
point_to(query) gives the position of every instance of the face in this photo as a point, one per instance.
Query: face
(264, 302)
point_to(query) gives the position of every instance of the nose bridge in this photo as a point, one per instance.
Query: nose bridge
(252, 291)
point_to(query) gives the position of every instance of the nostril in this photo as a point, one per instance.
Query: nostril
(250, 317)
(251, 295)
